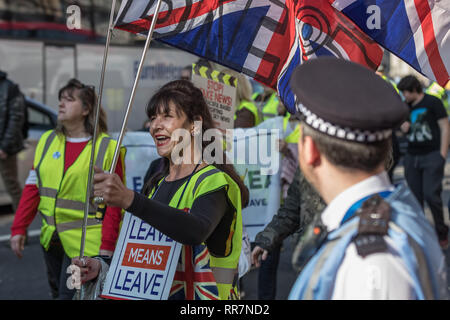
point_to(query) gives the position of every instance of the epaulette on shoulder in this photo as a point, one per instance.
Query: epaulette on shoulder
(373, 226)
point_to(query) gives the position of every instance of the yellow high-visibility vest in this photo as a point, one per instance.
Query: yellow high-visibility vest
(250, 107)
(436, 90)
(63, 194)
(206, 180)
(270, 109)
(295, 134)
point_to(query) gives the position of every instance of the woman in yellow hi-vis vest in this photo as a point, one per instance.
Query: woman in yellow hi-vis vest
(56, 188)
(195, 202)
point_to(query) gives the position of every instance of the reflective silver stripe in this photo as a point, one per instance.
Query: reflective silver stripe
(48, 142)
(269, 115)
(329, 247)
(77, 224)
(50, 220)
(72, 204)
(224, 275)
(202, 177)
(424, 274)
(102, 151)
(48, 192)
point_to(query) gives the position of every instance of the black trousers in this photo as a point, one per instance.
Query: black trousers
(267, 275)
(424, 174)
(57, 263)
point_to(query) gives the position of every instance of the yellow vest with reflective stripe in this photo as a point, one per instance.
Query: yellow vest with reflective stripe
(63, 194)
(295, 134)
(436, 90)
(270, 109)
(250, 107)
(204, 181)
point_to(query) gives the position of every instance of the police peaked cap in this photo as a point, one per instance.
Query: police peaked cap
(346, 100)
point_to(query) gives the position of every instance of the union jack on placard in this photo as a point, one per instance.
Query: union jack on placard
(264, 39)
(193, 278)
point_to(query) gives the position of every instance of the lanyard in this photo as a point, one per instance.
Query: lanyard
(351, 212)
(185, 186)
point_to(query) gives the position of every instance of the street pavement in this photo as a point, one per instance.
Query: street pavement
(26, 279)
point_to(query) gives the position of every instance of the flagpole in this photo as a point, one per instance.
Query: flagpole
(133, 91)
(95, 135)
(130, 103)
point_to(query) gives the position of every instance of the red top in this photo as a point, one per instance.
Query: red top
(30, 199)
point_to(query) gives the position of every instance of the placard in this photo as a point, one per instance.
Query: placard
(143, 264)
(219, 91)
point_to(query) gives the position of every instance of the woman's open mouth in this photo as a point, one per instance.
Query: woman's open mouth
(161, 140)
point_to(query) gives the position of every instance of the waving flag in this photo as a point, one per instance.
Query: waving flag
(264, 39)
(320, 30)
(417, 31)
(194, 279)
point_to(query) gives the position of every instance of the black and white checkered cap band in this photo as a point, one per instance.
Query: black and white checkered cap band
(343, 133)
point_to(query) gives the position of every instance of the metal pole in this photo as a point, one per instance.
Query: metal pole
(94, 138)
(133, 91)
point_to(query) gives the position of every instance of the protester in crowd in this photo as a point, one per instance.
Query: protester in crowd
(267, 102)
(246, 113)
(12, 120)
(212, 194)
(428, 137)
(372, 241)
(267, 273)
(395, 143)
(56, 188)
(439, 92)
(297, 211)
(288, 148)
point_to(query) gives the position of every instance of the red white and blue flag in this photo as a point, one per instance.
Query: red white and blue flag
(417, 31)
(264, 39)
(317, 29)
(194, 279)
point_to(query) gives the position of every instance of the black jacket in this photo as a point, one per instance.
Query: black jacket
(12, 116)
(300, 206)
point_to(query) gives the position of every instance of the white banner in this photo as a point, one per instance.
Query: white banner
(257, 160)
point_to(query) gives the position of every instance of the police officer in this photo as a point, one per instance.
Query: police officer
(373, 240)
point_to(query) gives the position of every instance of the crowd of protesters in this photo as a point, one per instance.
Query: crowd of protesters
(215, 219)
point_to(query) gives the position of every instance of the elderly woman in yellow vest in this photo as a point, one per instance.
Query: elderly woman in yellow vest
(195, 202)
(246, 114)
(56, 188)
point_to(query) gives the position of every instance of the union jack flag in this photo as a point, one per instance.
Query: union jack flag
(264, 39)
(417, 31)
(193, 278)
(320, 30)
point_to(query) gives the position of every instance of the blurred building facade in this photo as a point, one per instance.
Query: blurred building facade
(41, 53)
